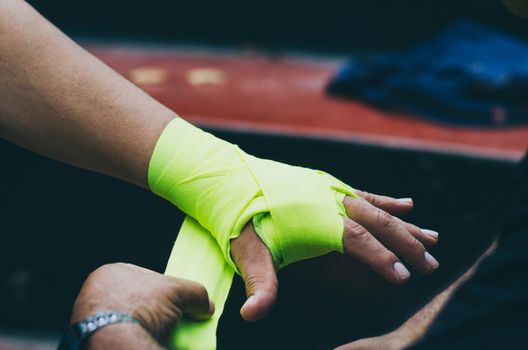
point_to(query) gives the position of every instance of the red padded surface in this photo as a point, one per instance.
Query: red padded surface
(286, 95)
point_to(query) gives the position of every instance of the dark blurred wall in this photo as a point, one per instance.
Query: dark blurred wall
(336, 25)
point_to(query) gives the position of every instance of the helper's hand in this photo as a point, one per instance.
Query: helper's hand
(155, 300)
(372, 234)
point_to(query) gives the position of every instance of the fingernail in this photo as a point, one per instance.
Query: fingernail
(431, 233)
(401, 270)
(405, 200)
(431, 260)
(211, 308)
(249, 301)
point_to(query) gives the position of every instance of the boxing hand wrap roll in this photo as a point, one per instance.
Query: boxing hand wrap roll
(297, 212)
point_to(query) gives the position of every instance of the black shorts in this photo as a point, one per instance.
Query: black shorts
(490, 311)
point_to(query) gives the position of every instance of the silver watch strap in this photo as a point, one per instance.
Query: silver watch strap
(100, 320)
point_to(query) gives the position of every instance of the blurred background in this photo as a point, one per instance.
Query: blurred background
(337, 26)
(404, 98)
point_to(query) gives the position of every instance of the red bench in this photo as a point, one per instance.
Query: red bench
(286, 95)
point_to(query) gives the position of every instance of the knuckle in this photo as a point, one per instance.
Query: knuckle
(384, 219)
(175, 290)
(172, 288)
(347, 202)
(415, 247)
(361, 208)
(264, 282)
(354, 231)
(369, 197)
(412, 228)
(252, 282)
(385, 258)
(351, 206)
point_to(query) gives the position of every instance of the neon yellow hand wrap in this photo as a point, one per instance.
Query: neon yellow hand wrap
(297, 212)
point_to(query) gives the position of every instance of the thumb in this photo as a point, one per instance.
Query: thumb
(254, 261)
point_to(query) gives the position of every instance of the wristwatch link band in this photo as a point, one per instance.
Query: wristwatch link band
(75, 336)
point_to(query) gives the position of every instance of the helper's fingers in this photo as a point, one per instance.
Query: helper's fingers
(359, 243)
(391, 233)
(191, 298)
(256, 266)
(394, 206)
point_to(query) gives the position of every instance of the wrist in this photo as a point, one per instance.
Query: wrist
(82, 332)
(129, 336)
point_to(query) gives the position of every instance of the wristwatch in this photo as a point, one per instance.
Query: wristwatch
(75, 336)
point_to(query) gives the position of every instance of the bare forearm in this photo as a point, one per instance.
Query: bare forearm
(59, 100)
(416, 327)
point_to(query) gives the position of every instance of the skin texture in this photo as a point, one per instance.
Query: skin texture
(155, 300)
(62, 102)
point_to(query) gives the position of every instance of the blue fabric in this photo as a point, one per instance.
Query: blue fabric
(469, 74)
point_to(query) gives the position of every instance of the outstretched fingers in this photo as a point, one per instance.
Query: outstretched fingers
(394, 235)
(361, 244)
